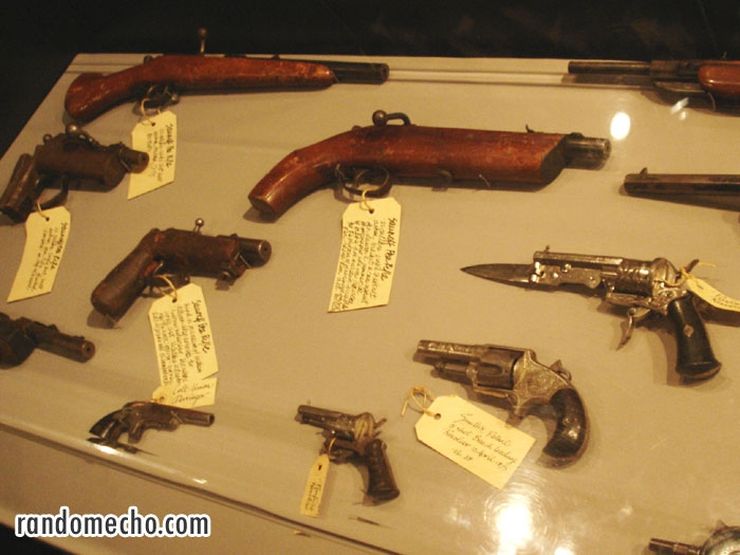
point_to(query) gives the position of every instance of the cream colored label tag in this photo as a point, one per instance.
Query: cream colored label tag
(315, 486)
(474, 439)
(707, 293)
(157, 136)
(367, 257)
(183, 341)
(187, 395)
(46, 237)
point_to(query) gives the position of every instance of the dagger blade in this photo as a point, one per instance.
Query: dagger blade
(508, 273)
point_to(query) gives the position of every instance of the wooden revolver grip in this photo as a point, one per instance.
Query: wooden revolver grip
(91, 94)
(416, 152)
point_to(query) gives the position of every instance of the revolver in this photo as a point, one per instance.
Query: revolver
(354, 438)
(19, 337)
(137, 416)
(725, 540)
(515, 375)
(645, 287)
(176, 251)
(72, 158)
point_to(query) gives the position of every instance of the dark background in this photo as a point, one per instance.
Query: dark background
(41, 38)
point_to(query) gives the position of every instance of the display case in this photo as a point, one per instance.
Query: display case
(661, 459)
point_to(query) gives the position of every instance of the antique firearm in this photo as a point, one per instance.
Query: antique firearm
(645, 287)
(725, 540)
(19, 337)
(716, 80)
(354, 438)
(137, 416)
(163, 78)
(427, 153)
(715, 190)
(72, 158)
(181, 252)
(515, 375)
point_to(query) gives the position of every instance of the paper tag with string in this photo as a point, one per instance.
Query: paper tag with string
(709, 294)
(186, 354)
(47, 232)
(157, 136)
(474, 439)
(314, 491)
(367, 256)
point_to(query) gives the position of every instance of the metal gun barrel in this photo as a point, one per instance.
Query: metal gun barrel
(355, 72)
(135, 160)
(194, 417)
(255, 251)
(676, 548)
(718, 186)
(442, 350)
(586, 152)
(51, 339)
(316, 416)
(609, 67)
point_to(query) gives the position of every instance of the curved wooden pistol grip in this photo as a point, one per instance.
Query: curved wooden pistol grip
(721, 79)
(695, 357)
(571, 431)
(91, 94)
(381, 484)
(121, 287)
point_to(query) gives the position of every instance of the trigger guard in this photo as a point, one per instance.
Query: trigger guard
(375, 191)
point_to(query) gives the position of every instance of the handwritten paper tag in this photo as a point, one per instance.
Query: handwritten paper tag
(46, 238)
(184, 345)
(315, 486)
(707, 293)
(157, 136)
(187, 395)
(367, 257)
(474, 439)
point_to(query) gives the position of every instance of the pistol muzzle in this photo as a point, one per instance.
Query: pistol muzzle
(255, 252)
(134, 160)
(585, 152)
(358, 72)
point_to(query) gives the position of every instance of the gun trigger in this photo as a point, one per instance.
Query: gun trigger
(634, 315)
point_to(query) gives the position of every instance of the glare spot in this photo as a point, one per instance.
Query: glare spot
(514, 524)
(620, 126)
(563, 551)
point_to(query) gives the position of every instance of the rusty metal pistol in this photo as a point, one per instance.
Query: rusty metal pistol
(19, 337)
(180, 252)
(354, 438)
(138, 416)
(69, 159)
(515, 375)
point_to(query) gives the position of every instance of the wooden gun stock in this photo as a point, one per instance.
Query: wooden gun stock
(416, 152)
(91, 94)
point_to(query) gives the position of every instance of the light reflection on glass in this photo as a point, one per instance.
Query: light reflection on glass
(514, 525)
(106, 449)
(679, 106)
(200, 481)
(620, 126)
(563, 551)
